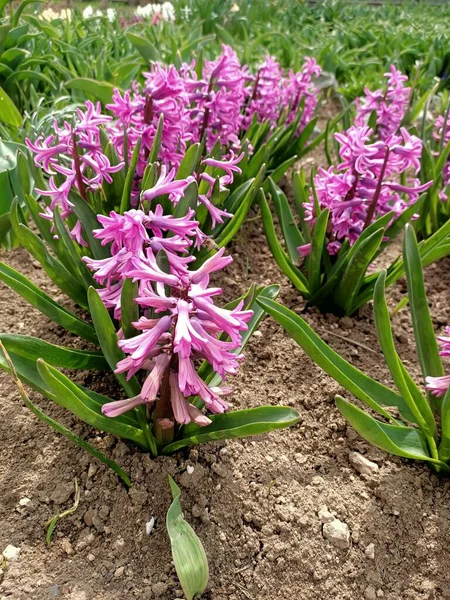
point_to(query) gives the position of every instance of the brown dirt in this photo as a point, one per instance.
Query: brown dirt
(254, 503)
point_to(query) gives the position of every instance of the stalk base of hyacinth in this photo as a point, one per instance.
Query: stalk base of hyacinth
(164, 431)
(145, 426)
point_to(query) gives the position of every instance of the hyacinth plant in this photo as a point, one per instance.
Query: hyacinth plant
(408, 423)
(436, 165)
(197, 115)
(348, 214)
(129, 223)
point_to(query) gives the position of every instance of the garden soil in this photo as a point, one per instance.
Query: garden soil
(258, 505)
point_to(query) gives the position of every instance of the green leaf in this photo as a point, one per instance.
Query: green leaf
(9, 114)
(89, 222)
(398, 440)
(59, 356)
(125, 203)
(291, 233)
(235, 223)
(156, 144)
(188, 553)
(71, 251)
(373, 393)
(145, 48)
(419, 409)
(444, 446)
(40, 300)
(108, 339)
(52, 266)
(350, 283)
(295, 275)
(60, 428)
(426, 344)
(317, 250)
(129, 310)
(190, 162)
(236, 424)
(68, 395)
(100, 90)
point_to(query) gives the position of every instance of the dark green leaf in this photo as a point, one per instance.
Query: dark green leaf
(236, 424)
(40, 300)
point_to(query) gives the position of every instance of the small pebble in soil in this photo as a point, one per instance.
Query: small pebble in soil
(337, 533)
(91, 557)
(149, 526)
(24, 501)
(11, 553)
(119, 572)
(159, 589)
(324, 515)
(370, 551)
(66, 546)
(190, 469)
(363, 465)
(370, 593)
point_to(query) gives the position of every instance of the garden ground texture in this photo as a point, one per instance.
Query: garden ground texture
(258, 505)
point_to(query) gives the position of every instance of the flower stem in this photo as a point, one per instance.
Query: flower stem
(77, 165)
(373, 205)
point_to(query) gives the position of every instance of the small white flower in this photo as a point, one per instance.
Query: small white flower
(168, 11)
(111, 14)
(88, 12)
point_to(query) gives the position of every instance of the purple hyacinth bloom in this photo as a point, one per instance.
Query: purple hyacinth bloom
(438, 386)
(390, 105)
(365, 186)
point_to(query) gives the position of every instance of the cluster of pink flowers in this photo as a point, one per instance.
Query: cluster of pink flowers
(390, 104)
(219, 103)
(442, 131)
(73, 157)
(438, 386)
(365, 185)
(180, 322)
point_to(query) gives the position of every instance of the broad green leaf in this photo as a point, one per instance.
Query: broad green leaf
(190, 162)
(60, 428)
(444, 446)
(317, 250)
(236, 424)
(235, 223)
(9, 114)
(398, 440)
(107, 338)
(58, 356)
(89, 222)
(129, 310)
(368, 390)
(419, 409)
(188, 553)
(100, 90)
(291, 233)
(156, 144)
(145, 48)
(71, 251)
(28, 373)
(350, 283)
(426, 344)
(295, 275)
(68, 395)
(40, 300)
(52, 266)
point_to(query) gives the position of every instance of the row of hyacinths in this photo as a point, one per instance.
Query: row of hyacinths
(179, 322)
(215, 107)
(366, 184)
